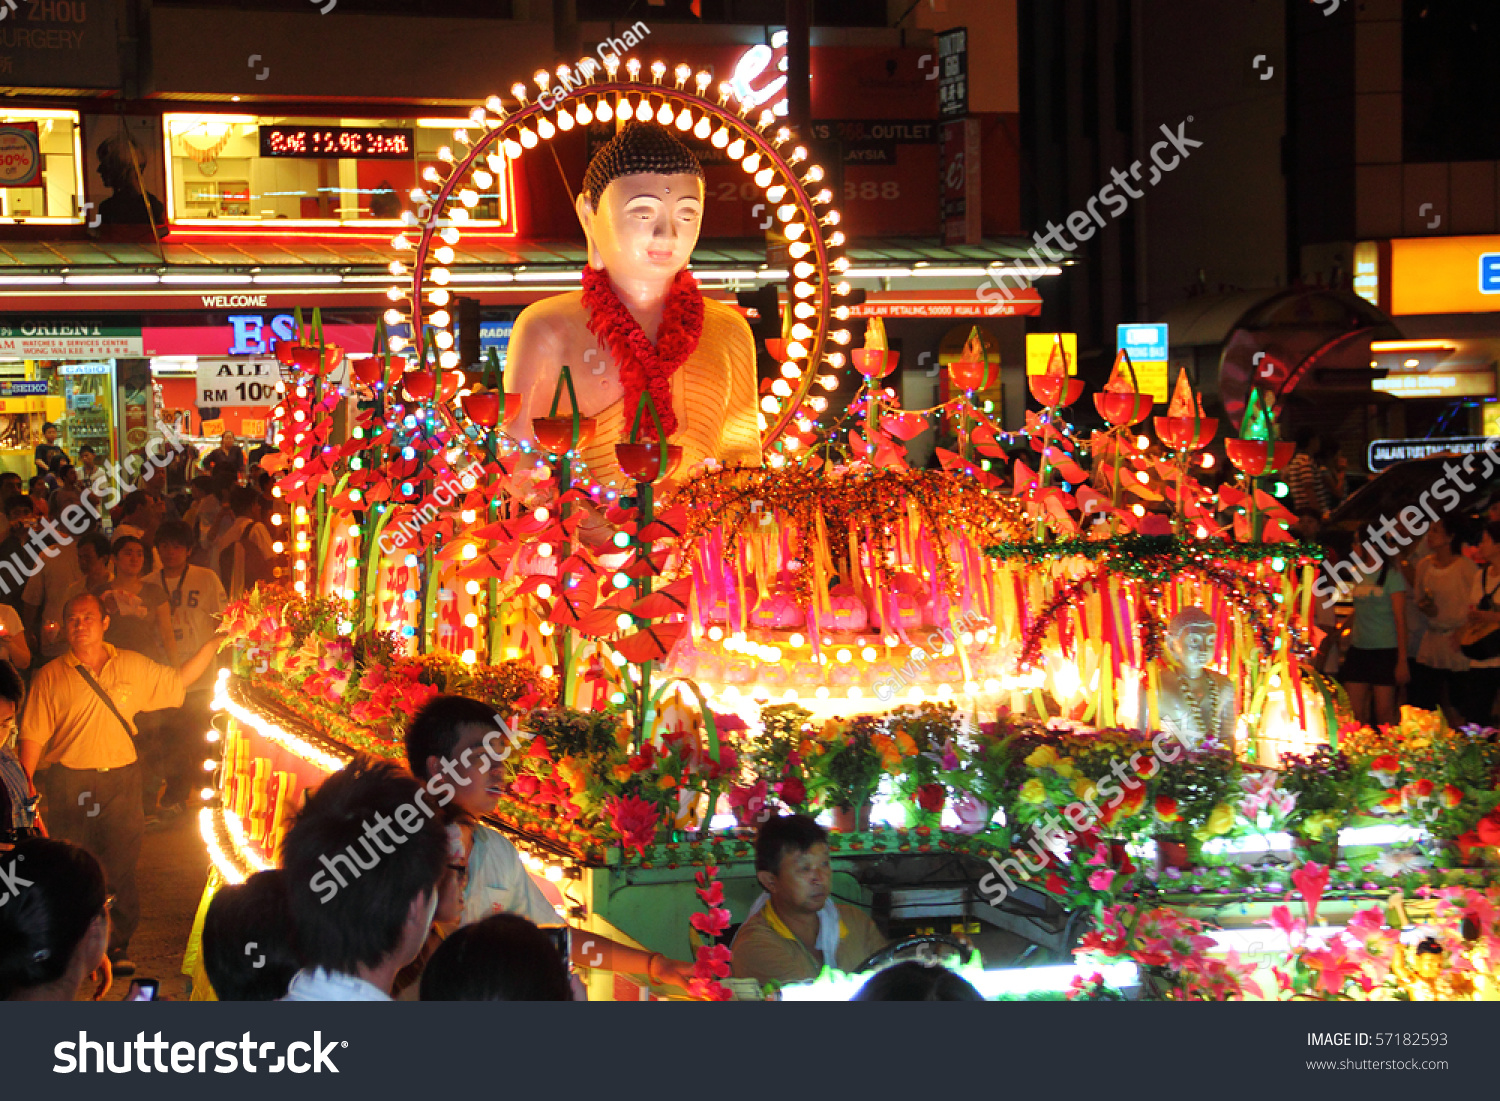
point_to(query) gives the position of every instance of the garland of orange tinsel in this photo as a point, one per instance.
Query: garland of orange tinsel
(874, 501)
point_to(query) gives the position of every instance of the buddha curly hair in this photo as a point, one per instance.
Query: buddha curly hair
(639, 147)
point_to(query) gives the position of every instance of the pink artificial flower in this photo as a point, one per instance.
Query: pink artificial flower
(1101, 879)
(712, 923)
(973, 814)
(1312, 880)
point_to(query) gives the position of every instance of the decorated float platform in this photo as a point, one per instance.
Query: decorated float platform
(1057, 688)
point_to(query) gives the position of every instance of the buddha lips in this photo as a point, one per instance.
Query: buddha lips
(645, 366)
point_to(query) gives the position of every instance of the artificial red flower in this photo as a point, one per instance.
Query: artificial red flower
(1452, 796)
(793, 792)
(1422, 789)
(1391, 804)
(1312, 880)
(748, 803)
(538, 750)
(525, 785)
(634, 820)
(931, 797)
(1488, 828)
(712, 923)
(713, 895)
(643, 760)
(1166, 808)
(1385, 768)
(1056, 884)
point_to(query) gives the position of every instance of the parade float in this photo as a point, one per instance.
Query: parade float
(939, 662)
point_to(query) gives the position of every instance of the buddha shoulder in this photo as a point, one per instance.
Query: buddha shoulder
(554, 317)
(724, 326)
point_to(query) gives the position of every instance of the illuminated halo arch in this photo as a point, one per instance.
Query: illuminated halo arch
(810, 218)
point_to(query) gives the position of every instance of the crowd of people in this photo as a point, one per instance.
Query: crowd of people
(447, 913)
(1422, 628)
(112, 584)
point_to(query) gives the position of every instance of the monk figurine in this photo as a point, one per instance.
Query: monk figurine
(640, 323)
(1197, 704)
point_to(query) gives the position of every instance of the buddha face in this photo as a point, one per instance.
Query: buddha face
(646, 226)
(1194, 649)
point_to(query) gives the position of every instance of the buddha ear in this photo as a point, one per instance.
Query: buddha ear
(586, 219)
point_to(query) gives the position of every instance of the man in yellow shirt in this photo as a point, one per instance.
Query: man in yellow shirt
(78, 726)
(796, 928)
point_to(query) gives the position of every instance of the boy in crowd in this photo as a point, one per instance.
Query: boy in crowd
(361, 905)
(247, 939)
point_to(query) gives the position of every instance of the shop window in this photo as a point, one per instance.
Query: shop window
(40, 166)
(265, 169)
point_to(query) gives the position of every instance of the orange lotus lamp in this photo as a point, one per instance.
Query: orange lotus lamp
(647, 460)
(1185, 428)
(562, 434)
(972, 370)
(1256, 452)
(483, 409)
(418, 385)
(1055, 386)
(1120, 403)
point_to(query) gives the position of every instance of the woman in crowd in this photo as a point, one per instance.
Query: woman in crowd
(1443, 594)
(53, 934)
(1483, 677)
(1375, 664)
(140, 617)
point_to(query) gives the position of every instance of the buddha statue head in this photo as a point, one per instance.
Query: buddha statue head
(1191, 637)
(642, 205)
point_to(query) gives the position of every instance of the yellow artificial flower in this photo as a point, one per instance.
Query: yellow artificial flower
(1043, 756)
(1065, 769)
(1315, 825)
(621, 773)
(1034, 791)
(905, 744)
(573, 773)
(1220, 821)
(1083, 787)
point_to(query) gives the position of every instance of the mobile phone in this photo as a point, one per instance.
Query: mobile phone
(142, 990)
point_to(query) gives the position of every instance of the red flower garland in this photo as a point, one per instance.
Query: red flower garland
(644, 365)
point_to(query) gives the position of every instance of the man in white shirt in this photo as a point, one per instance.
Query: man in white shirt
(196, 601)
(242, 555)
(363, 864)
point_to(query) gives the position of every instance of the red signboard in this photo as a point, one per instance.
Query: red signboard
(20, 155)
(960, 182)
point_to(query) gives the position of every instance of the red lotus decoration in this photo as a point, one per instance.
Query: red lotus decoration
(1122, 408)
(1258, 457)
(775, 345)
(483, 409)
(418, 385)
(368, 370)
(973, 374)
(643, 461)
(555, 434)
(875, 362)
(286, 352)
(1055, 389)
(1186, 433)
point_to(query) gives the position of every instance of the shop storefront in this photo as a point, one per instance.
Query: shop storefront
(63, 371)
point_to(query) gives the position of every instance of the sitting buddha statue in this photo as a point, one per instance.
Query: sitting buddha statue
(640, 322)
(1197, 704)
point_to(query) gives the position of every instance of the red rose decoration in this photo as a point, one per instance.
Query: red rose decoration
(793, 792)
(1166, 808)
(931, 797)
(1056, 884)
(525, 785)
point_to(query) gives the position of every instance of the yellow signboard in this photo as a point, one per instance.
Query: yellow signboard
(1039, 350)
(212, 428)
(253, 430)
